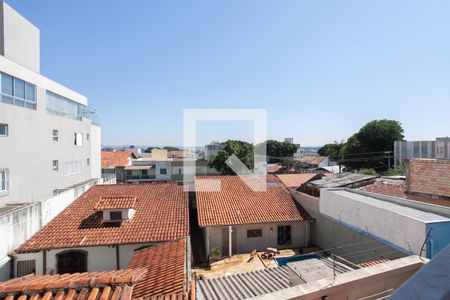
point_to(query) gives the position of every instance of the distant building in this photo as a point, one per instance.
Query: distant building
(212, 149)
(406, 150)
(237, 219)
(115, 163)
(311, 162)
(299, 153)
(289, 140)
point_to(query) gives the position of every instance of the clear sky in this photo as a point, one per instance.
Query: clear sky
(322, 69)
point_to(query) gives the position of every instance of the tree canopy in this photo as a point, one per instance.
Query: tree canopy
(333, 150)
(243, 150)
(276, 150)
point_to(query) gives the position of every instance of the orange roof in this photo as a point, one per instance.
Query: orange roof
(117, 285)
(116, 203)
(112, 159)
(312, 160)
(161, 215)
(296, 180)
(166, 269)
(237, 204)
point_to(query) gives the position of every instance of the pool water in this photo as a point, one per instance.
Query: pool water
(283, 261)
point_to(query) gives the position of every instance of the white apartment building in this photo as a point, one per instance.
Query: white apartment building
(406, 150)
(212, 149)
(49, 137)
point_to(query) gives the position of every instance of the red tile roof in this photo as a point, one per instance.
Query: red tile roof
(112, 159)
(117, 285)
(166, 269)
(296, 180)
(116, 203)
(274, 168)
(161, 215)
(312, 160)
(237, 204)
(373, 263)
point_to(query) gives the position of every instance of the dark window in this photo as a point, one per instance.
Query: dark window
(144, 172)
(26, 267)
(115, 215)
(163, 171)
(55, 135)
(87, 161)
(71, 261)
(3, 129)
(254, 233)
(284, 235)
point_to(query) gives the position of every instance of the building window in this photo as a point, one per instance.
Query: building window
(4, 180)
(71, 261)
(55, 135)
(254, 233)
(179, 171)
(55, 166)
(18, 92)
(87, 136)
(284, 235)
(3, 129)
(87, 161)
(73, 167)
(115, 215)
(67, 108)
(25, 267)
(78, 139)
(163, 171)
(144, 173)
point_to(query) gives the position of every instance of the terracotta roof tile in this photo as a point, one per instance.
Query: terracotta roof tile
(296, 180)
(312, 160)
(161, 215)
(237, 204)
(116, 203)
(112, 159)
(166, 270)
(116, 285)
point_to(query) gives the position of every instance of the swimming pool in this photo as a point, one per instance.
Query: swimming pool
(283, 261)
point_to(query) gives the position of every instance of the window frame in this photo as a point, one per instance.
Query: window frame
(78, 139)
(55, 137)
(279, 238)
(6, 130)
(165, 171)
(4, 181)
(55, 167)
(17, 100)
(254, 233)
(116, 214)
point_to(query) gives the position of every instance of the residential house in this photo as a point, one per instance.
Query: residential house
(294, 181)
(101, 229)
(409, 226)
(406, 150)
(236, 219)
(115, 162)
(311, 162)
(160, 271)
(180, 170)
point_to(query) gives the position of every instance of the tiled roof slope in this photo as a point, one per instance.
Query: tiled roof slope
(116, 203)
(114, 285)
(312, 159)
(237, 204)
(166, 270)
(161, 215)
(296, 180)
(111, 159)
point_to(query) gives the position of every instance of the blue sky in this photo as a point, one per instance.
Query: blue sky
(322, 69)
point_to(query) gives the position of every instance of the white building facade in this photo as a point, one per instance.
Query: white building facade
(49, 138)
(407, 150)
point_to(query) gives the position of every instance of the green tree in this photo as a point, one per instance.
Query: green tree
(276, 150)
(243, 150)
(333, 151)
(170, 148)
(290, 165)
(149, 149)
(365, 149)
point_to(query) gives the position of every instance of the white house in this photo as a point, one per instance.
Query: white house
(102, 229)
(236, 219)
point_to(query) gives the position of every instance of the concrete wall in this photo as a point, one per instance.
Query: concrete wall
(429, 176)
(402, 231)
(28, 151)
(20, 40)
(326, 233)
(299, 236)
(101, 258)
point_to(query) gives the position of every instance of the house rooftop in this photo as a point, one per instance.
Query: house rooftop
(340, 180)
(312, 159)
(236, 203)
(166, 265)
(161, 214)
(413, 213)
(112, 159)
(296, 180)
(117, 285)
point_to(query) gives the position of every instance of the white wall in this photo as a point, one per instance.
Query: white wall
(299, 236)
(101, 258)
(402, 231)
(96, 155)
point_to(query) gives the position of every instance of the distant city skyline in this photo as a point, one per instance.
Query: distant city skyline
(321, 71)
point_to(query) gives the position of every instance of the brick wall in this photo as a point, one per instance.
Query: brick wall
(429, 176)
